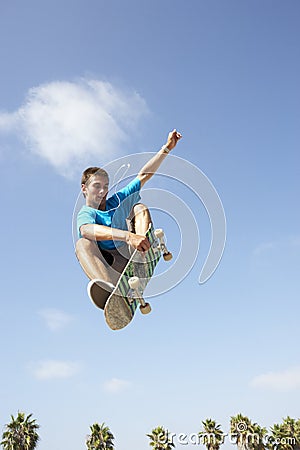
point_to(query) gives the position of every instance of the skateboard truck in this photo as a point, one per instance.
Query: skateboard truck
(159, 234)
(134, 284)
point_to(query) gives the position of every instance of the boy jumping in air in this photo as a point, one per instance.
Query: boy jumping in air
(109, 228)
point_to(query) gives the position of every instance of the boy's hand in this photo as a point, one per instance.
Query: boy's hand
(138, 242)
(173, 138)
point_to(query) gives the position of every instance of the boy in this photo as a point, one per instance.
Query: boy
(109, 227)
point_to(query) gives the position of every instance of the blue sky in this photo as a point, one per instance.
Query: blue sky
(87, 82)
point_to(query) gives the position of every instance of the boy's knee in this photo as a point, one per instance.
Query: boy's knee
(140, 208)
(80, 244)
(83, 245)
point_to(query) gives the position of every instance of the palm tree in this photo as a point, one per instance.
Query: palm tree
(212, 436)
(241, 428)
(20, 433)
(257, 441)
(101, 438)
(285, 436)
(160, 440)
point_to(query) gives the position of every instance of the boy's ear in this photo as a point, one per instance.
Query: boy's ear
(83, 189)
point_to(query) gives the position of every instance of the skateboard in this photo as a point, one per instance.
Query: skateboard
(127, 295)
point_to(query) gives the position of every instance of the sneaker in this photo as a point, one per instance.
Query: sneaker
(99, 291)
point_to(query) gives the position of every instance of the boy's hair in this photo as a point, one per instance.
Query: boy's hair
(90, 171)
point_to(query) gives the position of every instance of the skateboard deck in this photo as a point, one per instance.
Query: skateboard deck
(122, 303)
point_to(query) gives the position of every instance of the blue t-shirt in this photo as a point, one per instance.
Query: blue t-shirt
(118, 207)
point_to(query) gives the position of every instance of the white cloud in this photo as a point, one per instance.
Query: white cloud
(283, 244)
(115, 385)
(282, 381)
(53, 369)
(264, 247)
(55, 319)
(73, 124)
(8, 121)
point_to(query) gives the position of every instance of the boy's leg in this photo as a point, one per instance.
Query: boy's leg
(140, 219)
(93, 262)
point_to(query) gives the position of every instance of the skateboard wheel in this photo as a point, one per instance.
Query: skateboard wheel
(133, 283)
(168, 256)
(159, 233)
(145, 309)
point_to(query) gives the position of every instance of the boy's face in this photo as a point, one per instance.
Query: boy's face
(95, 191)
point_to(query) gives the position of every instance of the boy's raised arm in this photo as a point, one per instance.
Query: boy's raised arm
(153, 164)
